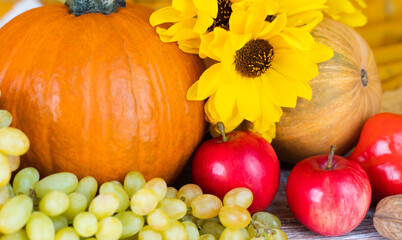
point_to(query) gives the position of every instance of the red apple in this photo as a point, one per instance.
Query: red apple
(328, 194)
(240, 159)
(379, 152)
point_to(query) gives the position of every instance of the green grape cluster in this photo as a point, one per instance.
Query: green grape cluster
(13, 144)
(62, 207)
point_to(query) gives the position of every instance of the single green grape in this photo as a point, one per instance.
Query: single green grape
(13, 141)
(54, 203)
(239, 196)
(40, 227)
(124, 201)
(109, 228)
(104, 205)
(63, 181)
(205, 206)
(158, 185)
(175, 231)
(171, 192)
(234, 216)
(213, 228)
(144, 201)
(147, 233)
(87, 186)
(267, 219)
(85, 224)
(78, 203)
(231, 234)
(66, 233)
(133, 182)
(192, 230)
(5, 118)
(188, 192)
(132, 223)
(25, 180)
(175, 208)
(15, 213)
(277, 234)
(158, 220)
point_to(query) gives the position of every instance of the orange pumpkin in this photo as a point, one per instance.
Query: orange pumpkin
(99, 94)
(346, 93)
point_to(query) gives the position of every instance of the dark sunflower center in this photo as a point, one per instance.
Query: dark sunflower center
(222, 19)
(254, 58)
(270, 18)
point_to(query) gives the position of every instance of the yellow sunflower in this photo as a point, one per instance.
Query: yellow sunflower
(194, 21)
(263, 66)
(347, 11)
(191, 19)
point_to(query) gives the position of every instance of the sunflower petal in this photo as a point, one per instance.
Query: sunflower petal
(164, 15)
(290, 63)
(298, 38)
(357, 19)
(213, 43)
(319, 53)
(269, 110)
(225, 101)
(306, 20)
(248, 101)
(344, 6)
(207, 84)
(186, 7)
(256, 17)
(189, 45)
(186, 34)
(265, 128)
(279, 89)
(203, 23)
(303, 89)
(213, 117)
(237, 41)
(207, 7)
(237, 22)
(273, 28)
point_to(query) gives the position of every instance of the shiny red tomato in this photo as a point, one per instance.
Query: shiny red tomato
(379, 152)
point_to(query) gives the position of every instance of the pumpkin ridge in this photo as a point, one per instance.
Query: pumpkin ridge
(116, 20)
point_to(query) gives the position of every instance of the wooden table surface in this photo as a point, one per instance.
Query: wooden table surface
(290, 225)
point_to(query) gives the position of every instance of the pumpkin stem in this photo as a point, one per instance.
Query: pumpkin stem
(364, 77)
(81, 7)
(330, 157)
(221, 129)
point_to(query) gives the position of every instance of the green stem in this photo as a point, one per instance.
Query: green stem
(221, 129)
(81, 7)
(330, 157)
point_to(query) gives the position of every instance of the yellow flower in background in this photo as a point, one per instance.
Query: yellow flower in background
(263, 66)
(306, 14)
(194, 21)
(347, 11)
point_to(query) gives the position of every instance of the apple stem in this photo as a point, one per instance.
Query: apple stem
(330, 157)
(221, 129)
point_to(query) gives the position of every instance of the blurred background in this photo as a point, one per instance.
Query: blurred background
(383, 32)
